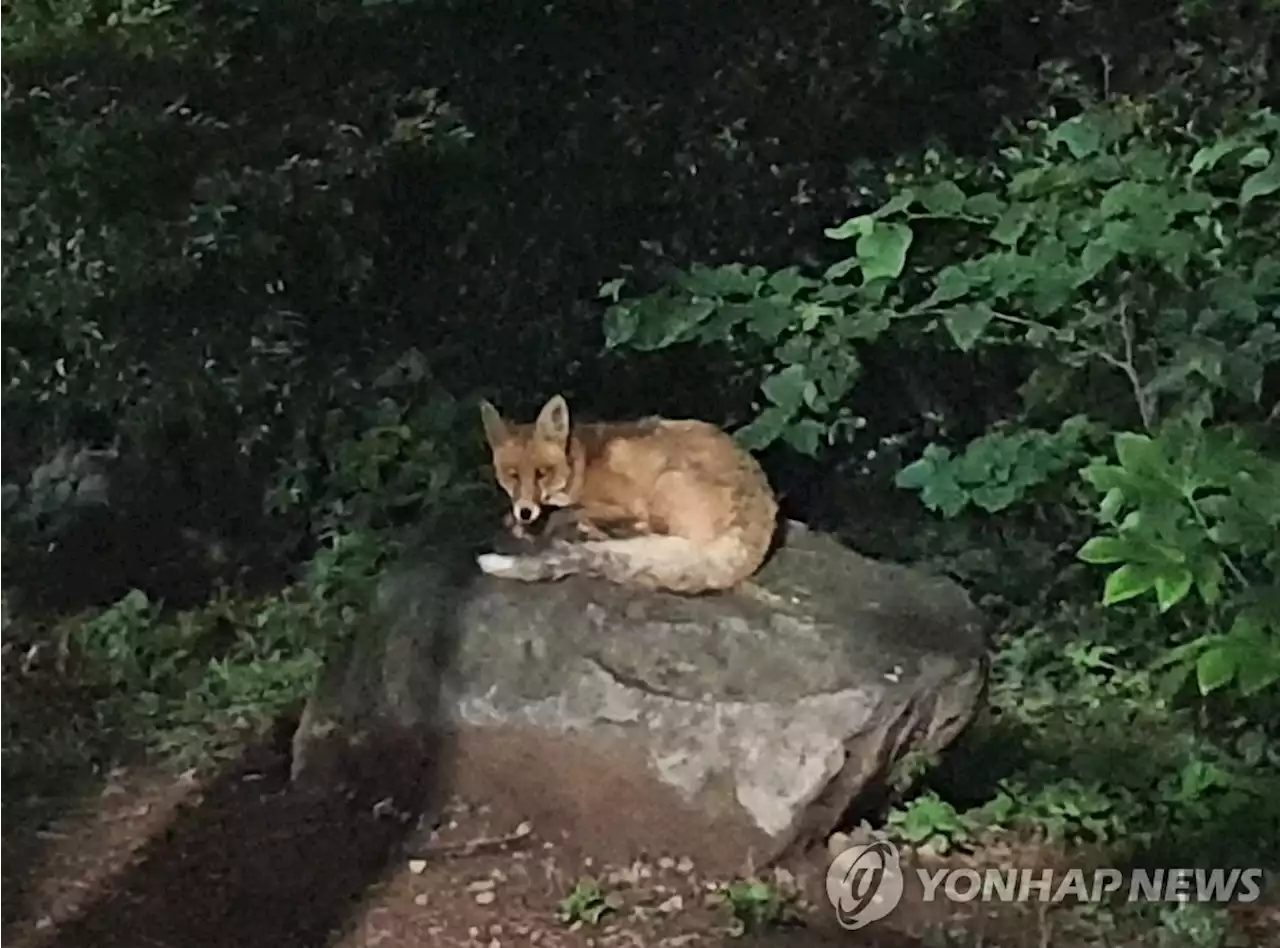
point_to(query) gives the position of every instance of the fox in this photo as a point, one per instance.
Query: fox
(658, 504)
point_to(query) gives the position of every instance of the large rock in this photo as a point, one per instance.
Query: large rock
(773, 711)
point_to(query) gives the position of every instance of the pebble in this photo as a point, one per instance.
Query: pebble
(488, 897)
(672, 905)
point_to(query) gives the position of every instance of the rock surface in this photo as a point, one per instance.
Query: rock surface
(772, 712)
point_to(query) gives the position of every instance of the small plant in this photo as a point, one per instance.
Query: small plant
(910, 770)
(1190, 925)
(756, 904)
(587, 903)
(996, 471)
(929, 821)
(123, 641)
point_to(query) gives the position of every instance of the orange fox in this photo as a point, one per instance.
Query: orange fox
(663, 504)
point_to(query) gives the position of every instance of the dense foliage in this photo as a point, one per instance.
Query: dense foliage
(991, 288)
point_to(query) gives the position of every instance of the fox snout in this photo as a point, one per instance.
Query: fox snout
(525, 512)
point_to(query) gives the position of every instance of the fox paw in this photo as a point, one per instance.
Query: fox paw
(498, 564)
(530, 569)
(557, 561)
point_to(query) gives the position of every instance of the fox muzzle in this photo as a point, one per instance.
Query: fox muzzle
(525, 512)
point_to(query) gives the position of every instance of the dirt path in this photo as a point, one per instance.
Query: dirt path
(158, 861)
(169, 861)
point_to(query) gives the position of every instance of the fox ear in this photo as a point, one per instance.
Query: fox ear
(553, 421)
(495, 429)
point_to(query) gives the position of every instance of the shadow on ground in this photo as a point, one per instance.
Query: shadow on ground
(50, 745)
(251, 861)
(245, 857)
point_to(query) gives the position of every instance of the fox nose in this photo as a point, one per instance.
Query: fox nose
(526, 513)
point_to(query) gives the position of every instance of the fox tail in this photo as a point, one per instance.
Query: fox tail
(656, 562)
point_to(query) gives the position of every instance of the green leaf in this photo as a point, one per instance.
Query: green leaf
(995, 497)
(662, 323)
(854, 227)
(1098, 253)
(1248, 626)
(612, 289)
(786, 388)
(1172, 587)
(837, 293)
(1125, 197)
(933, 475)
(1172, 681)
(788, 282)
(967, 322)
(732, 279)
(1103, 550)
(1208, 156)
(1257, 652)
(945, 496)
(620, 324)
(770, 318)
(724, 322)
(1183, 654)
(882, 253)
(1103, 477)
(1261, 183)
(952, 283)
(840, 269)
(922, 470)
(1080, 134)
(1256, 676)
(1137, 453)
(813, 315)
(765, 429)
(814, 398)
(1255, 157)
(1128, 582)
(1112, 503)
(899, 202)
(1012, 225)
(805, 436)
(1208, 578)
(945, 198)
(986, 204)
(1215, 667)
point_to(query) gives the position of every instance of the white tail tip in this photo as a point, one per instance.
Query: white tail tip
(496, 564)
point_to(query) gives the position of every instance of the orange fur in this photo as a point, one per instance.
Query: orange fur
(698, 510)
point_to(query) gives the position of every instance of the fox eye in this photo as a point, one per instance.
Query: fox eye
(511, 474)
(541, 473)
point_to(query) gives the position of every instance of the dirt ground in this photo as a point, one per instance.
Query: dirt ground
(159, 860)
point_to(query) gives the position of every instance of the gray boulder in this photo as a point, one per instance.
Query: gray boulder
(776, 709)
